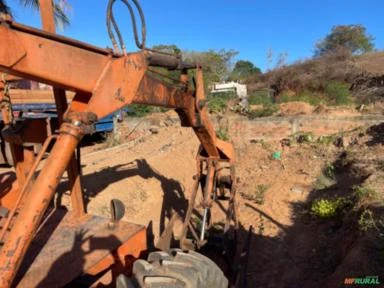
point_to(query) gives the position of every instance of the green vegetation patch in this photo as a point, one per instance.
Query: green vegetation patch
(261, 97)
(218, 102)
(330, 208)
(266, 111)
(304, 96)
(338, 93)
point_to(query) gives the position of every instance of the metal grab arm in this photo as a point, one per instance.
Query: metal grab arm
(104, 83)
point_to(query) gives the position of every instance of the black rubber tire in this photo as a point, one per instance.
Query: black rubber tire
(175, 269)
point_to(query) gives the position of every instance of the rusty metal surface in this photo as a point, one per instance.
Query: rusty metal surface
(118, 84)
(48, 20)
(153, 91)
(62, 252)
(17, 196)
(58, 38)
(36, 204)
(172, 62)
(205, 132)
(36, 58)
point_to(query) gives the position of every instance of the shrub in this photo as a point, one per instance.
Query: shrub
(217, 105)
(366, 220)
(305, 96)
(327, 177)
(261, 97)
(363, 193)
(323, 208)
(268, 110)
(259, 194)
(218, 102)
(329, 208)
(329, 171)
(137, 110)
(326, 140)
(338, 93)
(304, 137)
(310, 75)
(222, 134)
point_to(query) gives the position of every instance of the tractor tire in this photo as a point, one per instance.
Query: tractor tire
(176, 269)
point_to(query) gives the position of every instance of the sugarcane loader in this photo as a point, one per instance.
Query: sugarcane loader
(43, 247)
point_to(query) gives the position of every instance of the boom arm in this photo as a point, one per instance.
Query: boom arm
(103, 82)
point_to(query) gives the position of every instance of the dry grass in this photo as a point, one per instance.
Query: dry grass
(313, 76)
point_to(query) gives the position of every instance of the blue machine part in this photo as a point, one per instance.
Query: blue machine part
(48, 110)
(105, 124)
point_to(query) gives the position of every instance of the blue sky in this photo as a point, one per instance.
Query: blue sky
(248, 26)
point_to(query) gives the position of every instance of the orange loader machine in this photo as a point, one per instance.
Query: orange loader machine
(43, 246)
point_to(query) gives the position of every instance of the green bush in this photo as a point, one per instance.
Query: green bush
(222, 134)
(303, 137)
(329, 171)
(338, 93)
(366, 221)
(305, 96)
(326, 140)
(363, 193)
(218, 102)
(323, 208)
(217, 105)
(137, 110)
(259, 194)
(268, 110)
(260, 98)
(223, 95)
(329, 208)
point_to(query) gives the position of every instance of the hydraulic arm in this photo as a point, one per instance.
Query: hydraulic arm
(103, 82)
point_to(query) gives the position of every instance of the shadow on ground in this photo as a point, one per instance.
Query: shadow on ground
(174, 199)
(312, 252)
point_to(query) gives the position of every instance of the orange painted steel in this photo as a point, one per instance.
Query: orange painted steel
(36, 203)
(48, 21)
(21, 194)
(103, 82)
(80, 246)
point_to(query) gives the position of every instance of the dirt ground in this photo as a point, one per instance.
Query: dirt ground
(152, 175)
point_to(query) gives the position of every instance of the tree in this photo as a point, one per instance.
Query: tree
(171, 49)
(216, 64)
(4, 8)
(60, 9)
(243, 69)
(354, 38)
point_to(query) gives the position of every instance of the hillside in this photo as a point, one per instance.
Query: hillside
(371, 62)
(361, 75)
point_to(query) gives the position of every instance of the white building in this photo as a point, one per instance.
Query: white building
(239, 89)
